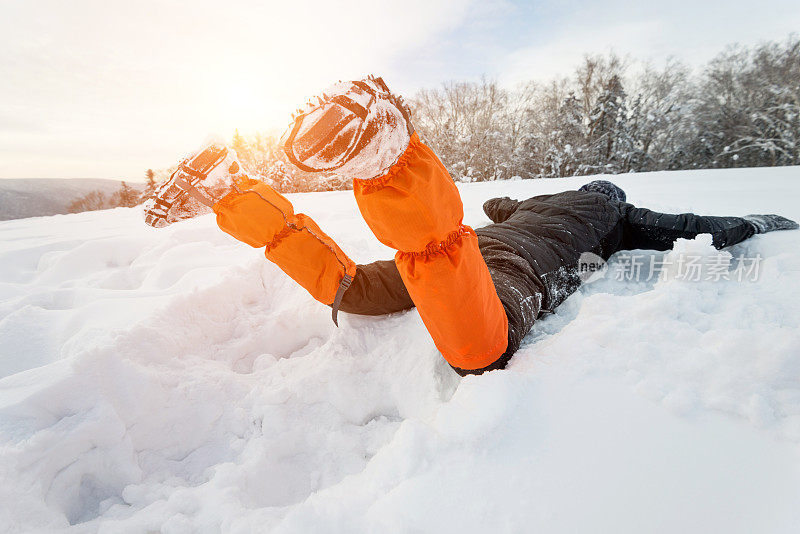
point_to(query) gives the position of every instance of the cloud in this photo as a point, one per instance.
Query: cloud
(691, 31)
(166, 74)
(560, 56)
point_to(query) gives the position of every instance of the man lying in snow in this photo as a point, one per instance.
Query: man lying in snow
(478, 291)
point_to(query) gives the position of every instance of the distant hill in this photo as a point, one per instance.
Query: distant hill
(34, 197)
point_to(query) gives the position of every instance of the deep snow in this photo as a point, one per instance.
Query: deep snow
(173, 380)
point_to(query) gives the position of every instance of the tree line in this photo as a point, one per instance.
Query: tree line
(125, 196)
(741, 110)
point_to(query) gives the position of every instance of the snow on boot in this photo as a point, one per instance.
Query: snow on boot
(770, 223)
(199, 182)
(355, 129)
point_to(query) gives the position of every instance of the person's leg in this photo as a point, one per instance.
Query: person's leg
(250, 210)
(362, 131)
(377, 289)
(262, 218)
(416, 209)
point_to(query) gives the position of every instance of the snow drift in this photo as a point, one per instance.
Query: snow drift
(173, 380)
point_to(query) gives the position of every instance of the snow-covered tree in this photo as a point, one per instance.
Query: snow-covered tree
(566, 141)
(467, 124)
(660, 122)
(126, 196)
(748, 111)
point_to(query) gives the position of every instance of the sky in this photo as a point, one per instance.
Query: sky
(108, 88)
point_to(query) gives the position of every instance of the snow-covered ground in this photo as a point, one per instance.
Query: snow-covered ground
(173, 380)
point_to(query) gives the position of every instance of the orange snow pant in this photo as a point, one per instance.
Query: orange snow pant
(261, 217)
(415, 209)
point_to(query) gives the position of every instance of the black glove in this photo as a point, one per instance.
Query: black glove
(769, 223)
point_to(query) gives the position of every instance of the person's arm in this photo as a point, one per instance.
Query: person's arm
(647, 229)
(500, 209)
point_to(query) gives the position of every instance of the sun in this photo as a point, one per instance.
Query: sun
(249, 106)
(240, 99)
(240, 105)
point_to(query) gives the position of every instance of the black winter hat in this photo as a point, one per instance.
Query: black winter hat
(607, 188)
